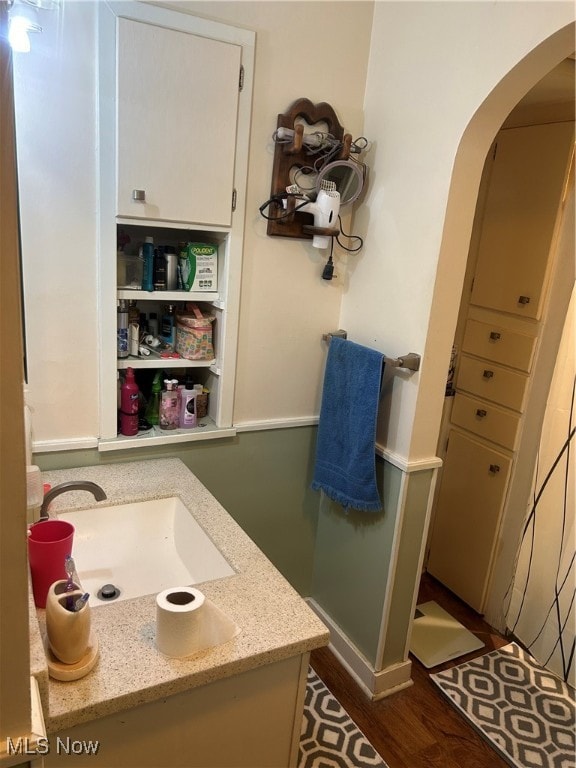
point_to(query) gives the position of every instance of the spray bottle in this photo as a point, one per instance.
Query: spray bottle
(122, 345)
(129, 405)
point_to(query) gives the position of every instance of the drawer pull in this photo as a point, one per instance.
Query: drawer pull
(480, 412)
(488, 374)
(139, 195)
(523, 299)
(494, 336)
(494, 469)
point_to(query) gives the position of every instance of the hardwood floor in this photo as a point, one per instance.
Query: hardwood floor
(418, 727)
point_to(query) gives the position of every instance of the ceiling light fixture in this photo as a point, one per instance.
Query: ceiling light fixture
(23, 19)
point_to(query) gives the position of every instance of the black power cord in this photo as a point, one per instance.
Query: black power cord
(328, 271)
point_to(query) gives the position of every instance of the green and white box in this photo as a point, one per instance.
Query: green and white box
(199, 267)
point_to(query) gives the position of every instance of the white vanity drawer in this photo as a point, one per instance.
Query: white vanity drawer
(486, 420)
(494, 342)
(492, 382)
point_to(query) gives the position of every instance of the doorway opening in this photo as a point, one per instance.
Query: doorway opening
(550, 100)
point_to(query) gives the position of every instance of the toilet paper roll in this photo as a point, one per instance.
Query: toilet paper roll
(179, 615)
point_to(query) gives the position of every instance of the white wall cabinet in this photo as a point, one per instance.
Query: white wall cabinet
(175, 101)
(177, 111)
(527, 180)
(499, 328)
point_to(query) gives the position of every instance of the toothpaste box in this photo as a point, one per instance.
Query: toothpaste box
(199, 267)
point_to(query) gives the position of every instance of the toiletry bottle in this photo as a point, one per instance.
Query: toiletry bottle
(182, 254)
(159, 269)
(133, 328)
(148, 253)
(133, 312)
(188, 406)
(153, 323)
(171, 268)
(152, 413)
(169, 410)
(168, 326)
(122, 329)
(129, 397)
(201, 401)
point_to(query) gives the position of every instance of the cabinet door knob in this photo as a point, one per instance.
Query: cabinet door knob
(494, 469)
(523, 299)
(494, 336)
(488, 374)
(139, 195)
(480, 412)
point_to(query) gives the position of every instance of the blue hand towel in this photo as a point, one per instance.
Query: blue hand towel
(345, 452)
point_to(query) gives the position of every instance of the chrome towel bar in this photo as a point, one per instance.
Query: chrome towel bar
(411, 361)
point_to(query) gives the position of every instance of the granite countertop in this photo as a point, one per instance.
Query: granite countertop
(275, 622)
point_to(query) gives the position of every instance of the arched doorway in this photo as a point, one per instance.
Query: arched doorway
(490, 117)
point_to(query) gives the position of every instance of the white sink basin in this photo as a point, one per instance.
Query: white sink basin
(142, 548)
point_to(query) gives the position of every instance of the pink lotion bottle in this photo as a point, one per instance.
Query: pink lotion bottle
(170, 405)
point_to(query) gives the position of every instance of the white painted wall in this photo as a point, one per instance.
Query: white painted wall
(285, 306)
(55, 103)
(432, 65)
(320, 52)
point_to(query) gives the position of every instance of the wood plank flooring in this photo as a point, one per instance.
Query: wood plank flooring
(417, 727)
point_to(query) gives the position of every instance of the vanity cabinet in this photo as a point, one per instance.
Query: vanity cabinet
(174, 105)
(499, 327)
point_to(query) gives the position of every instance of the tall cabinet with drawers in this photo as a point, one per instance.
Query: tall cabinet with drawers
(501, 319)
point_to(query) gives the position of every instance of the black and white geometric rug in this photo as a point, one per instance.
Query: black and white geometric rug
(330, 738)
(525, 712)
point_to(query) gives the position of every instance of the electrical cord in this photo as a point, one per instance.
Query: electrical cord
(350, 237)
(277, 200)
(328, 271)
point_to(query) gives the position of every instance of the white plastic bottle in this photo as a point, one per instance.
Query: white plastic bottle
(188, 418)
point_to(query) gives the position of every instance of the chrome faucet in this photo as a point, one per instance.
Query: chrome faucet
(71, 485)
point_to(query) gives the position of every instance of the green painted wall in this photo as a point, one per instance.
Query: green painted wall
(261, 478)
(407, 572)
(352, 560)
(355, 581)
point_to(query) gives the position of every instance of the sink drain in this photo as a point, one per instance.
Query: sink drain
(108, 592)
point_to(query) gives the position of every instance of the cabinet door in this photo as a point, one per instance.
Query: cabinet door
(176, 121)
(470, 500)
(527, 180)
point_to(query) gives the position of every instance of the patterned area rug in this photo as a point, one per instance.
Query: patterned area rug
(526, 713)
(330, 739)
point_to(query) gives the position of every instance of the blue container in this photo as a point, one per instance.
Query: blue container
(148, 254)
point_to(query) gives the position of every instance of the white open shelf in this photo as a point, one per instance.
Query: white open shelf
(207, 430)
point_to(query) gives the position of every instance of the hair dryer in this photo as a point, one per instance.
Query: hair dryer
(325, 209)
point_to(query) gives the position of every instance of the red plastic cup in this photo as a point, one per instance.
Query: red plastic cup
(49, 542)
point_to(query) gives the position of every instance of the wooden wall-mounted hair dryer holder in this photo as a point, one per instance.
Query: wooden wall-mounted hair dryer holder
(288, 222)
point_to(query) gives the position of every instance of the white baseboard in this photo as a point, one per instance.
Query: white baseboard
(376, 685)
